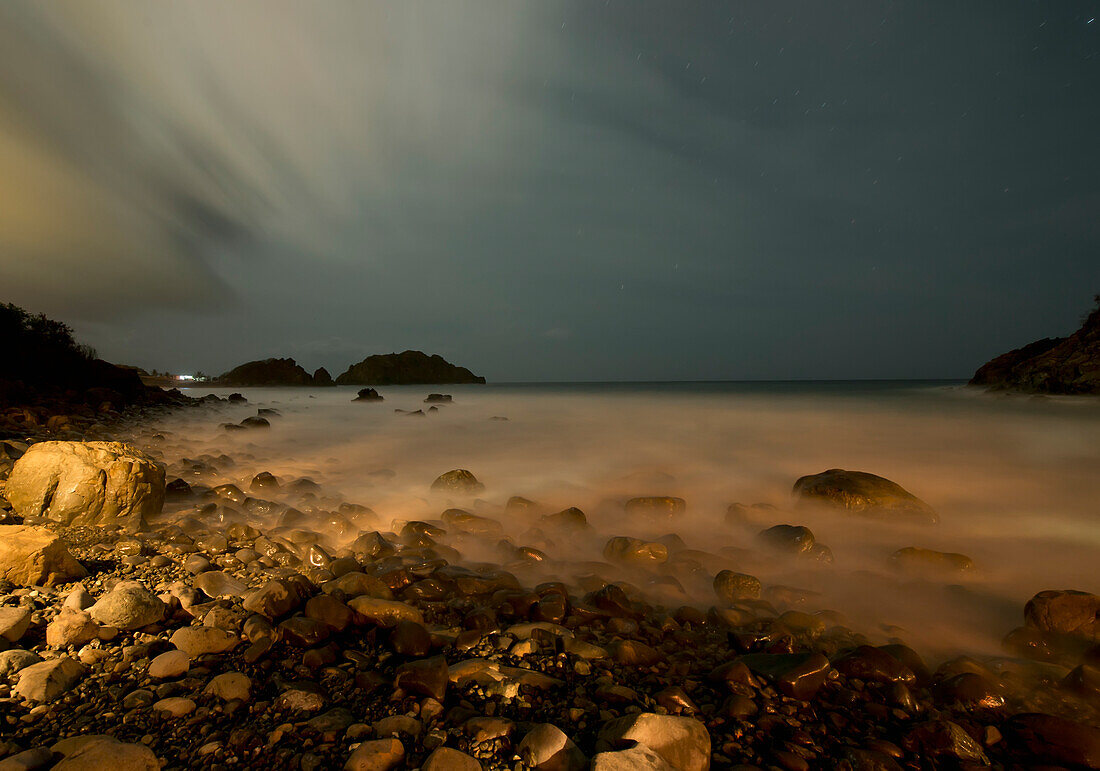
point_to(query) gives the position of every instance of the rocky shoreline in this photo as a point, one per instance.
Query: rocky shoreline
(248, 620)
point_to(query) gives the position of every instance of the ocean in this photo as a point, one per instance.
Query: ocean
(1015, 480)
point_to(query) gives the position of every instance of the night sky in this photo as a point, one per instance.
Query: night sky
(554, 190)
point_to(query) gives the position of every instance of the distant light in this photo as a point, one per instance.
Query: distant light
(185, 377)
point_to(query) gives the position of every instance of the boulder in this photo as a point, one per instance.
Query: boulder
(1050, 739)
(368, 395)
(547, 747)
(682, 742)
(129, 605)
(198, 641)
(377, 755)
(87, 483)
(35, 556)
(1066, 611)
(105, 753)
(14, 623)
(71, 627)
(634, 551)
(458, 480)
(49, 679)
(861, 493)
(731, 586)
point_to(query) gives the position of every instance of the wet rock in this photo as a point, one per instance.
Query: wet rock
(632, 653)
(656, 507)
(1050, 739)
(942, 740)
(48, 680)
(798, 675)
(635, 551)
(386, 613)
(465, 522)
(330, 611)
(129, 605)
(168, 665)
(357, 584)
(367, 395)
(448, 759)
(458, 481)
(928, 562)
(969, 690)
(681, 742)
(277, 597)
(304, 632)
(215, 584)
(255, 422)
(1067, 612)
(788, 539)
(410, 638)
(377, 755)
(426, 677)
(547, 747)
(14, 623)
(265, 480)
(35, 556)
(105, 753)
(873, 665)
(566, 519)
(86, 483)
(198, 641)
(862, 493)
(731, 587)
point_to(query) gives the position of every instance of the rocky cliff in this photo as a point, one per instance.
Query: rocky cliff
(1059, 365)
(407, 368)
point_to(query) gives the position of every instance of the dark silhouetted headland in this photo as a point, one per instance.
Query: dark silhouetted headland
(1054, 365)
(407, 368)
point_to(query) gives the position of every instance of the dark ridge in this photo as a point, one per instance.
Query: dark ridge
(406, 368)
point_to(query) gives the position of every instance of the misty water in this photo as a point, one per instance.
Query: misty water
(1016, 482)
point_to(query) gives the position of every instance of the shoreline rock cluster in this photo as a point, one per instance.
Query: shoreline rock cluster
(219, 629)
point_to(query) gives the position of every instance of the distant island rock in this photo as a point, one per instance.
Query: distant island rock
(1055, 365)
(273, 372)
(407, 368)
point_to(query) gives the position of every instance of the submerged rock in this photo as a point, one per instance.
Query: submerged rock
(87, 483)
(862, 493)
(368, 395)
(927, 561)
(656, 506)
(458, 481)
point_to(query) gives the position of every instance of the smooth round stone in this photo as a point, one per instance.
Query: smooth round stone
(175, 706)
(230, 686)
(170, 664)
